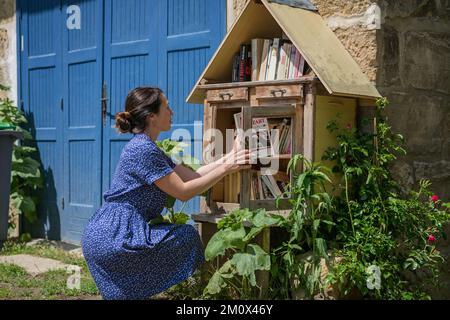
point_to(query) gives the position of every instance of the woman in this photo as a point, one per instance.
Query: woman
(127, 257)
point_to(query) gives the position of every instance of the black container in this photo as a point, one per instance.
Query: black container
(7, 139)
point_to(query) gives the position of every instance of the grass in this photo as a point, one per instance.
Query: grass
(17, 284)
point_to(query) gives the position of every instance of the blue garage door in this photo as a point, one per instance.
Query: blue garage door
(73, 82)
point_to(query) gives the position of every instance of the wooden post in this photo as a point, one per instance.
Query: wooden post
(309, 123)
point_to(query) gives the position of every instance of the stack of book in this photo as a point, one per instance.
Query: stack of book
(269, 142)
(269, 59)
(267, 187)
(284, 143)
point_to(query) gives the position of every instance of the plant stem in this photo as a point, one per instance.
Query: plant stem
(348, 203)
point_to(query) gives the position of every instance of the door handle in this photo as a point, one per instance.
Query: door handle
(104, 102)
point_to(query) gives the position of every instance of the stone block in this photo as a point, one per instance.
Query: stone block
(426, 62)
(390, 53)
(415, 8)
(420, 119)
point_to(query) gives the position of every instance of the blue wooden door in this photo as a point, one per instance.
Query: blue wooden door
(82, 110)
(190, 32)
(65, 74)
(130, 60)
(41, 96)
(164, 43)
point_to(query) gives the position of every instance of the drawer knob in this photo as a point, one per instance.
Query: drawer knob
(281, 91)
(224, 94)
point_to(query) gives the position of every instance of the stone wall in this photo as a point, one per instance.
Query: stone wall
(407, 56)
(8, 52)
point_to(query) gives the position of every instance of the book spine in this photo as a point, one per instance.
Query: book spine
(297, 63)
(263, 66)
(248, 65)
(287, 141)
(243, 56)
(288, 61)
(236, 68)
(292, 62)
(272, 71)
(282, 63)
(301, 66)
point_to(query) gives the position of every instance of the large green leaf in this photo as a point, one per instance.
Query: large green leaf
(217, 281)
(223, 240)
(247, 263)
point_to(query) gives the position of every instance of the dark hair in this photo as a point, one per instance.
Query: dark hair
(140, 102)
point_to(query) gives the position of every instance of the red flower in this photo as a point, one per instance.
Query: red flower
(434, 198)
(349, 126)
(431, 238)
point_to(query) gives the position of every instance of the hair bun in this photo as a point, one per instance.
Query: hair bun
(124, 122)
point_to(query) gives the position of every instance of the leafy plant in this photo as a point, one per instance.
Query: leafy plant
(377, 226)
(237, 276)
(307, 226)
(26, 177)
(173, 149)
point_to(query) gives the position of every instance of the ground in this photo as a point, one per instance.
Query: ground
(18, 284)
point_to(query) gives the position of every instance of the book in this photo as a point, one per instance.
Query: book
(264, 58)
(288, 60)
(235, 74)
(292, 60)
(281, 68)
(300, 67)
(261, 134)
(248, 65)
(238, 120)
(257, 55)
(273, 60)
(242, 62)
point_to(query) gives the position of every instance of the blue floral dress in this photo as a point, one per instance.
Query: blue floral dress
(127, 257)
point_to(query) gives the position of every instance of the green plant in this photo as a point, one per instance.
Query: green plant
(307, 225)
(376, 225)
(237, 276)
(174, 149)
(26, 177)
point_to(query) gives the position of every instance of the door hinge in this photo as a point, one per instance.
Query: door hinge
(104, 102)
(61, 104)
(62, 203)
(22, 43)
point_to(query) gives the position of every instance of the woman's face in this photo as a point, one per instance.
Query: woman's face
(163, 120)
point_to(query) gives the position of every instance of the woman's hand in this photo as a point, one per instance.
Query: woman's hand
(237, 159)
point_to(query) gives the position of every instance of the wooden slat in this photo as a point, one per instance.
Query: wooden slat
(308, 124)
(301, 80)
(273, 112)
(227, 95)
(246, 175)
(279, 92)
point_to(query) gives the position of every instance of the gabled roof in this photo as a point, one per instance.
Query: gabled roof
(333, 65)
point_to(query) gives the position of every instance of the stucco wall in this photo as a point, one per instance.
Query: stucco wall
(8, 51)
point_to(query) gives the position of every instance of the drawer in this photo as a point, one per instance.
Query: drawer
(279, 92)
(227, 95)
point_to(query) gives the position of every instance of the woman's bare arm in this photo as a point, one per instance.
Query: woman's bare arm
(174, 185)
(187, 174)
